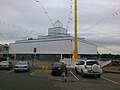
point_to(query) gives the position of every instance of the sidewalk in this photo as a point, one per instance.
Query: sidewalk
(111, 69)
(37, 64)
(40, 64)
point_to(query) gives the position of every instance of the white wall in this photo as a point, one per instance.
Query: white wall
(48, 47)
(84, 48)
(52, 47)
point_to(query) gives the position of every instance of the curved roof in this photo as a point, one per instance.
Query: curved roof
(58, 24)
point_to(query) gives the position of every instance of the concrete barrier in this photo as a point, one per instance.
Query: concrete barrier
(104, 63)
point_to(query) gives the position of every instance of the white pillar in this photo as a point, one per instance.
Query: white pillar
(15, 56)
(61, 57)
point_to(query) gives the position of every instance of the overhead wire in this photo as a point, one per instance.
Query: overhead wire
(14, 28)
(103, 19)
(45, 11)
(114, 13)
(69, 15)
(110, 50)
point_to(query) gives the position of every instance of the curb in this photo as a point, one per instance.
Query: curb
(111, 72)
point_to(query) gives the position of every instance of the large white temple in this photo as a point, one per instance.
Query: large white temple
(57, 44)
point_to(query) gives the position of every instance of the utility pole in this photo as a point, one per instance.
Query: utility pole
(75, 52)
(34, 55)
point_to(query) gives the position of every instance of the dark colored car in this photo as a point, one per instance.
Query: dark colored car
(56, 70)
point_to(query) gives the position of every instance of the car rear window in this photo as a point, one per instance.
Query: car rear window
(57, 65)
(92, 62)
(22, 63)
(82, 63)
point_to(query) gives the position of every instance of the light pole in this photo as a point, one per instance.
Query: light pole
(75, 52)
(34, 53)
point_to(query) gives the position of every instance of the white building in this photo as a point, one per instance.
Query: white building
(57, 44)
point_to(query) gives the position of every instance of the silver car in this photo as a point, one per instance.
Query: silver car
(5, 65)
(88, 67)
(22, 66)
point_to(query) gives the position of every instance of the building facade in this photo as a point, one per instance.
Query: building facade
(4, 49)
(57, 44)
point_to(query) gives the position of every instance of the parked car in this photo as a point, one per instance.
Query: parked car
(3, 59)
(22, 66)
(5, 65)
(56, 70)
(88, 67)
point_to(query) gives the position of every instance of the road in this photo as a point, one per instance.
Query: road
(88, 83)
(42, 80)
(24, 81)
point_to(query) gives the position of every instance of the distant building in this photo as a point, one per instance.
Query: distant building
(57, 44)
(4, 49)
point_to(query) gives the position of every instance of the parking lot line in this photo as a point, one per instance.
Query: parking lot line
(43, 73)
(74, 75)
(34, 72)
(109, 80)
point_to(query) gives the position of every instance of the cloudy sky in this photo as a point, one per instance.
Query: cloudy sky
(98, 20)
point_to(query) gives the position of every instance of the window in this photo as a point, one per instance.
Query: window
(35, 50)
(82, 63)
(91, 62)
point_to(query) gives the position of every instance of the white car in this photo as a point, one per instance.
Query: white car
(22, 66)
(5, 65)
(88, 67)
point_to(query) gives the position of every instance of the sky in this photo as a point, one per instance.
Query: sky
(98, 20)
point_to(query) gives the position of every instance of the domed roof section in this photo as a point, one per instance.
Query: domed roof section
(58, 24)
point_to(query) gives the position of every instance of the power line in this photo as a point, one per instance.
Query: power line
(45, 11)
(106, 48)
(114, 13)
(70, 13)
(5, 26)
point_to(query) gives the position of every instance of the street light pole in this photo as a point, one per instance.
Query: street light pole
(75, 52)
(34, 55)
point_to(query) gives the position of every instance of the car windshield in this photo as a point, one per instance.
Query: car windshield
(91, 62)
(57, 64)
(22, 63)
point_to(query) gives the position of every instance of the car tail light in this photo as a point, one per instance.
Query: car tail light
(85, 66)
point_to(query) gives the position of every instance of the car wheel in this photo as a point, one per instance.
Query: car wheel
(27, 70)
(52, 73)
(66, 73)
(15, 71)
(76, 70)
(82, 74)
(9, 68)
(98, 76)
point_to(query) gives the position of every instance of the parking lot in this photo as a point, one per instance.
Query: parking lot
(43, 80)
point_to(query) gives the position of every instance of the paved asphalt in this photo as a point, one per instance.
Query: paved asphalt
(24, 81)
(42, 80)
(88, 83)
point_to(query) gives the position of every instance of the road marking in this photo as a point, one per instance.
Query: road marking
(74, 75)
(43, 73)
(109, 80)
(34, 72)
(10, 71)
